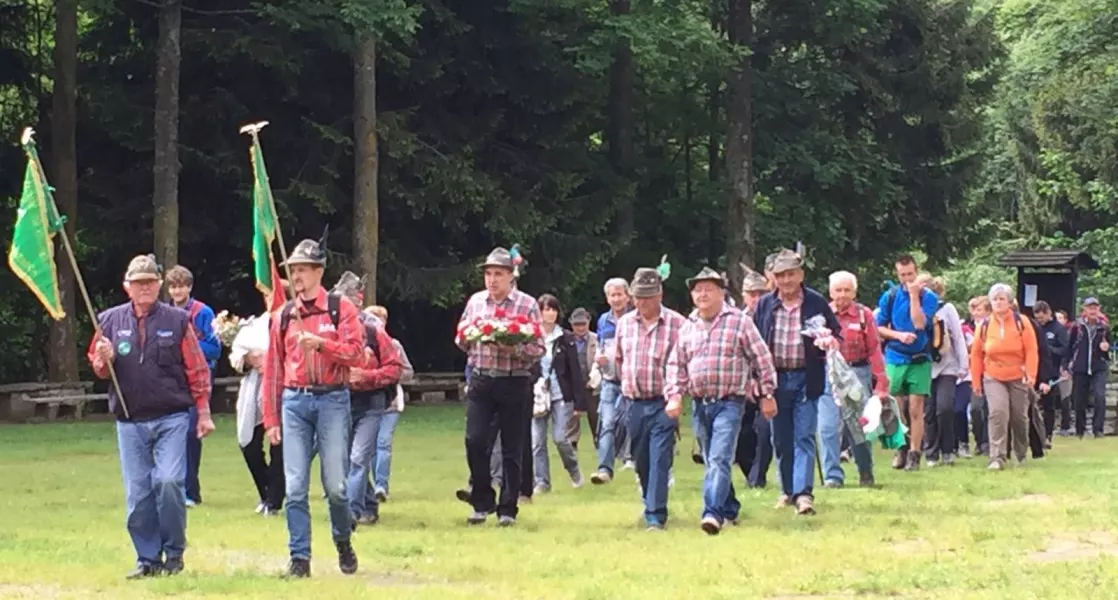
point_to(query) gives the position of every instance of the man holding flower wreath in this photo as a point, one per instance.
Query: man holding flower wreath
(500, 333)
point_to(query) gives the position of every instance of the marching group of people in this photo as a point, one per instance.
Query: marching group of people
(322, 376)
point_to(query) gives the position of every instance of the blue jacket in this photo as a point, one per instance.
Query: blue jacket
(897, 353)
(814, 358)
(203, 320)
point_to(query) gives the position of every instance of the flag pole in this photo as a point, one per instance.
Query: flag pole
(25, 139)
(253, 129)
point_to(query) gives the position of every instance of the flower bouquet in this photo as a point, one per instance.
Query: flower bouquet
(500, 329)
(226, 327)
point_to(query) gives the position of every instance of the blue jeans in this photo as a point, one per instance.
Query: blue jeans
(308, 418)
(153, 464)
(794, 434)
(653, 434)
(369, 452)
(560, 418)
(719, 424)
(830, 433)
(611, 416)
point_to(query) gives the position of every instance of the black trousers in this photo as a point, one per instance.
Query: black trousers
(507, 403)
(754, 453)
(1089, 389)
(939, 418)
(267, 474)
(1048, 404)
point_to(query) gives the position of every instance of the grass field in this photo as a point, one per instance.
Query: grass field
(1049, 530)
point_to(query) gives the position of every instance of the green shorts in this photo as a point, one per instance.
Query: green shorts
(910, 379)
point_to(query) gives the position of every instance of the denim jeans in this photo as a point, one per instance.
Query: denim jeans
(794, 430)
(653, 434)
(611, 420)
(153, 464)
(372, 428)
(307, 419)
(559, 418)
(831, 426)
(720, 422)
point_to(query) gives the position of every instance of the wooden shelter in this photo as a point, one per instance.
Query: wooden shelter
(1049, 275)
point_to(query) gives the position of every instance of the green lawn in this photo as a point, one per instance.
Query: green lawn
(1049, 530)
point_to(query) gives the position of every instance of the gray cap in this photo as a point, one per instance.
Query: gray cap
(579, 316)
(646, 283)
(143, 268)
(307, 252)
(1091, 300)
(786, 260)
(351, 286)
(753, 282)
(707, 274)
(499, 257)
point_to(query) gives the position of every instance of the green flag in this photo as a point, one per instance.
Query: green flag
(32, 253)
(264, 231)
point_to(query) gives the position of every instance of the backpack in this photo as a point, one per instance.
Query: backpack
(939, 342)
(986, 325)
(929, 329)
(334, 308)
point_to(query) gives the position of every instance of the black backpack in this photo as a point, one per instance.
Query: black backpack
(334, 308)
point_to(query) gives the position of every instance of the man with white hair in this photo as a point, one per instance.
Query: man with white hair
(611, 406)
(861, 347)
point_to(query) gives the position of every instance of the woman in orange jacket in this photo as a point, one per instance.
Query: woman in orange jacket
(1003, 364)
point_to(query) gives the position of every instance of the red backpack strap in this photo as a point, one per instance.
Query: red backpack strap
(193, 307)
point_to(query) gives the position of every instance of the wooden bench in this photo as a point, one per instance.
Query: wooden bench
(46, 400)
(50, 407)
(450, 385)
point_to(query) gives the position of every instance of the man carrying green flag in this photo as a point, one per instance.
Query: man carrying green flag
(32, 253)
(263, 226)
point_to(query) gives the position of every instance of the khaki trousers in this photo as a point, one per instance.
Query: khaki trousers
(1008, 404)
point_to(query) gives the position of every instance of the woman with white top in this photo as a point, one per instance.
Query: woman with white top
(247, 356)
(559, 390)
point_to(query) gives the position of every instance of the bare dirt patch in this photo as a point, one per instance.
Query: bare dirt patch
(1077, 547)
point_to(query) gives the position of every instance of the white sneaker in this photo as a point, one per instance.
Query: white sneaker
(628, 465)
(260, 508)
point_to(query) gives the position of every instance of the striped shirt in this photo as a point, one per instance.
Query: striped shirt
(788, 342)
(714, 359)
(491, 357)
(642, 352)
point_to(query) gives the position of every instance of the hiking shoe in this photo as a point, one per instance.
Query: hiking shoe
(477, 518)
(260, 508)
(370, 519)
(143, 570)
(299, 568)
(173, 565)
(805, 506)
(601, 477)
(995, 465)
(913, 463)
(899, 459)
(654, 527)
(844, 456)
(271, 512)
(539, 490)
(710, 525)
(628, 465)
(381, 494)
(1099, 435)
(964, 451)
(524, 499)
(506, 521)
(577, 481)
(832, 484)
(1064, 433)
(783, 501)
(464, 494)
(948, 460)
(866, 480)
(347, 558)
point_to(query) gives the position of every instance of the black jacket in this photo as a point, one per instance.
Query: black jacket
(1083, 344)
(564, 363)
(814, 358)
(1056, 338)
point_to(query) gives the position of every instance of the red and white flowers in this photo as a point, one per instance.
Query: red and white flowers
(500, 329)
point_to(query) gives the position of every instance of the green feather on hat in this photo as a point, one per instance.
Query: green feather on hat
(665, 269)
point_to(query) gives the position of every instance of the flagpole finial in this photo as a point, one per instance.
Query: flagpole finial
(253, 128)
(26, 137)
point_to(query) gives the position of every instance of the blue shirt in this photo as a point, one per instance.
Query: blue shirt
(204, 326)
(897, 353)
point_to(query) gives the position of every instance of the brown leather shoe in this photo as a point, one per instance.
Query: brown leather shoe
(804, 506)
(913, 463)
(783, 501)
(900, 459)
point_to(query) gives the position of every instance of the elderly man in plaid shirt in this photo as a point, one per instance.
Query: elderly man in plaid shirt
(718, 347)
(645, 339)
(500, 391)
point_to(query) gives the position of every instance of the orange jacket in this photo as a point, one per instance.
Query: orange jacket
(1004, 351)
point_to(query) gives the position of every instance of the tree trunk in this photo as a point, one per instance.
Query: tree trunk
(165, 195)
(739, 148)
(619, 132)
(366, 203)
(62, 364)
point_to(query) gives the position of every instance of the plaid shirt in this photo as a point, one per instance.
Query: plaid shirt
(289, 366)
(788, 342)
(642, 352)
(860, 342)
(491, 356)
(715, 359)
(194, 364)
(375, 374)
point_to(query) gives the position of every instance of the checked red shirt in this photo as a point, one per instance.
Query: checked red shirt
(788, 342)
(288, 365)
(714, 359)
(860, 343)
(492, 357)
(643, 350)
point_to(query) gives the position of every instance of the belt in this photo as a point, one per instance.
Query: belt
(499, 373)
(316, 389)
(799, 370)
(648, 399)
(713, 399)
(861, 363)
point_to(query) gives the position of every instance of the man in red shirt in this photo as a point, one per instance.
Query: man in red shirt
(153, 350)
(314, 341)
(861, 347)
